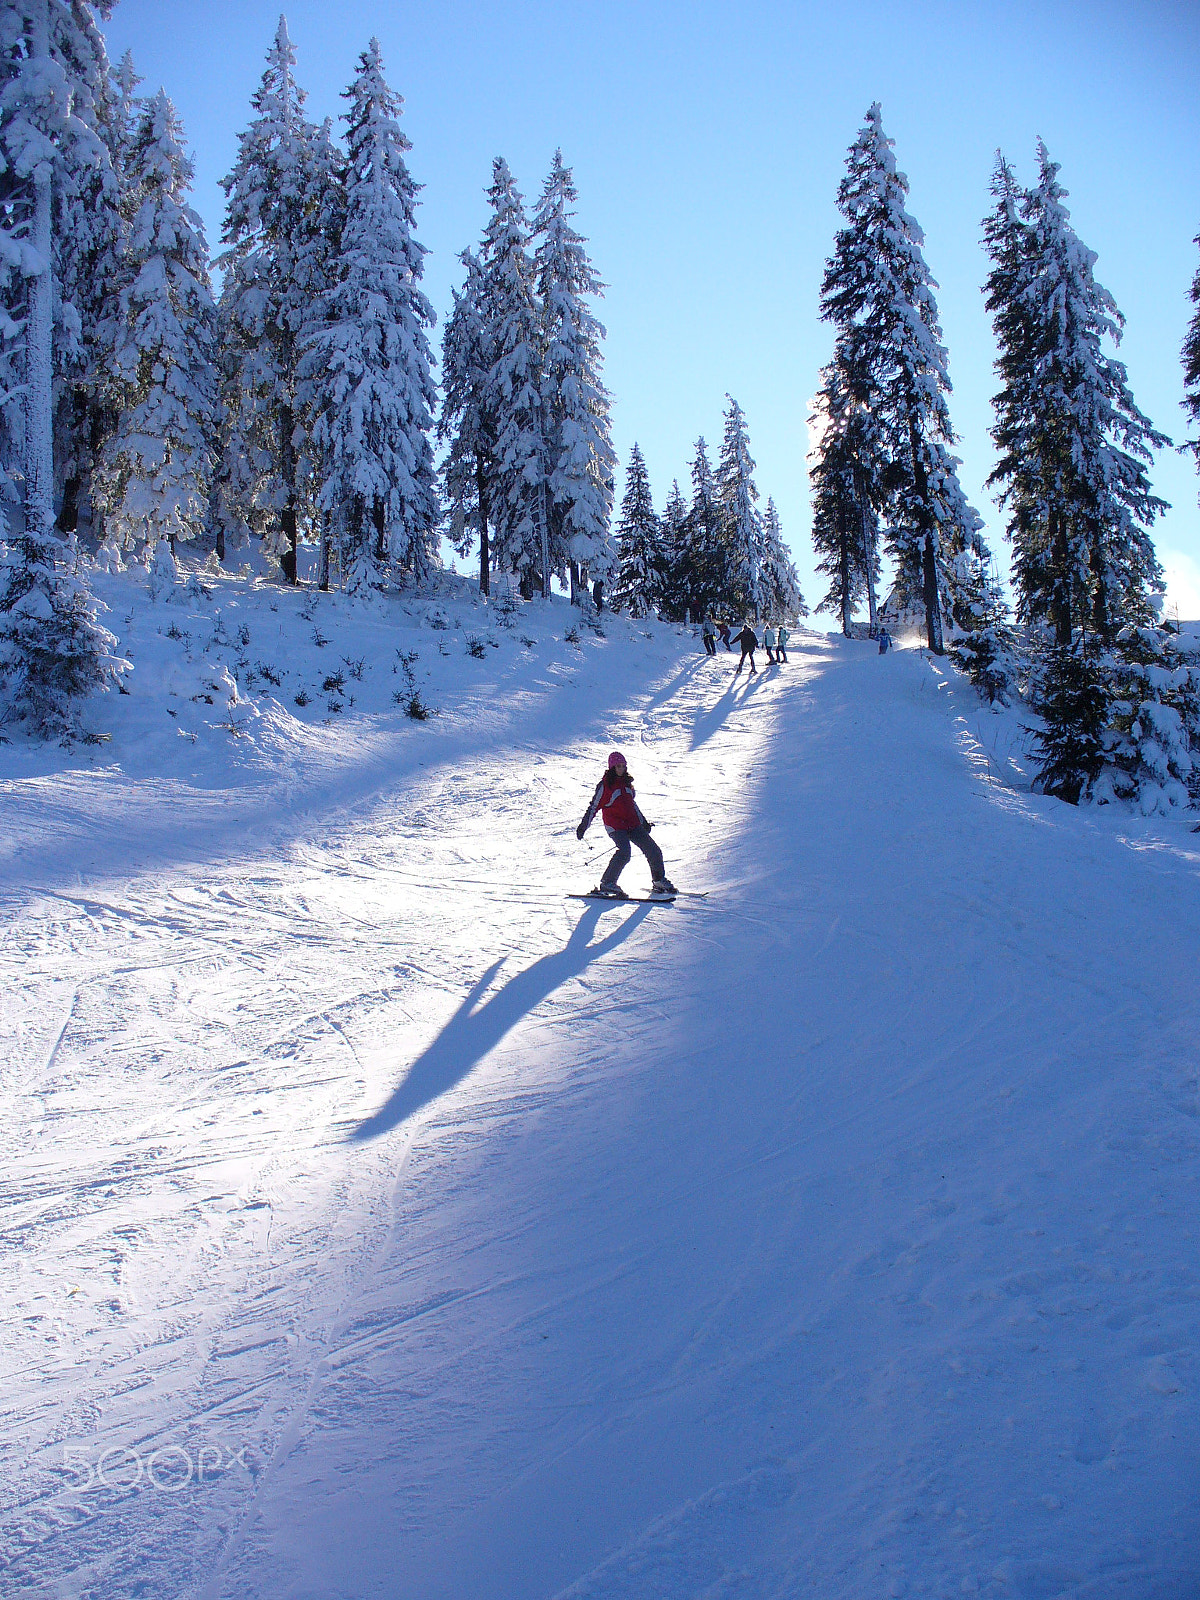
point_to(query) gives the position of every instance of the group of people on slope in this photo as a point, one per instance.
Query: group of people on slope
(774, 642)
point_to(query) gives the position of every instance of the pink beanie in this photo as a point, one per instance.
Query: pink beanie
(614, 756)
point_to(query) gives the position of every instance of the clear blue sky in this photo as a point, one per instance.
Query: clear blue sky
(707, 141)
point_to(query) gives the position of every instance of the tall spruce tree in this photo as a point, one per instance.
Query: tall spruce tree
(575, 403)
(638, 585)
(282, 223)
(845, 527)
(513, 319)
(466, 423)
(878, 289)
(1073, 446)
(742, 524)
(706, 556)
(367, 353)
(1191, 366)
(781, 580)
(677, 601)
(53, 650)
(154, 476)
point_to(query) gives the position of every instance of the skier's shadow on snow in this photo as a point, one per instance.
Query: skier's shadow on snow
(707, 722)
(475, 1029)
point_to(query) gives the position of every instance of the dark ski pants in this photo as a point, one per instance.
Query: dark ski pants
(710, 645)
(780, 653)
(623, 838)
(742, 662)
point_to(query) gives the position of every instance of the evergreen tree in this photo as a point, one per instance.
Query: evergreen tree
(53, 651)
(369, 354)
(513, 322)
(639, 555)
(1191, 366)
(1073, 446)
(845, 528)
(737, 495)
(879, 290)
(676, 600)
(781, 581)
(282, 224)
(466, 422)
(154, 477)
(575, 403)
(91, 228)
(1072, 697)
(982, 641)
(705, 555)
(1152, 748)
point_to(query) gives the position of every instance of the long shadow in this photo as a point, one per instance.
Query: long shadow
(471, 1032)
(688, 670)
(707, 722)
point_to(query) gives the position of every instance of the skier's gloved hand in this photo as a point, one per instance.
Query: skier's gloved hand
(579, 831)
(649, 827)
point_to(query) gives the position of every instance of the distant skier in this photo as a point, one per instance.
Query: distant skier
(723, 630)
(625, 825)
(710, 637)
(748, 640)
(885, 641)
(781, 639)
(769, 643)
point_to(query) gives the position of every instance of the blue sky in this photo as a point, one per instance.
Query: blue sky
(707, 142)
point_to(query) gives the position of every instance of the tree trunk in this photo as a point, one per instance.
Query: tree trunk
(868, 553)
(844, 551)
(933, 600)
(287, 467)
(1060, 588)
(576, 586)
(377, 512)
(485, 554)
(39, 328)
(598, 594)
(326, 538)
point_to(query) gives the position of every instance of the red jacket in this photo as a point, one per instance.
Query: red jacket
(614, 799)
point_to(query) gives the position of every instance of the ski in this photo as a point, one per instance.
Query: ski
(643, 900)
(626, 900)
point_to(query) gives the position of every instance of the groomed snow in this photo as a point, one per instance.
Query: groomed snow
(833, 1236)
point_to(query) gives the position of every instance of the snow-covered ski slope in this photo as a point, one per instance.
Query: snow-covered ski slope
(380, 1223)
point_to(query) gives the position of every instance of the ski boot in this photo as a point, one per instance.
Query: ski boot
(614, 891)
(663, 889)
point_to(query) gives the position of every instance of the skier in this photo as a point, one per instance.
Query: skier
(748, 640)
(625, 825)
(885, 641)
(769, 643)
(710, 637)
(723, 630)
(781, 639)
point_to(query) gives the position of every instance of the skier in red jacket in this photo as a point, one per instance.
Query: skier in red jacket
(625, 825)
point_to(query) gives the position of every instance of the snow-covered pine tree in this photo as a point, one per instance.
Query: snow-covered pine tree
(368, 352)
(845, 528)
(1149, 753)
(878, 283)
(676, 600)
(639, 571)
(1072, 695)
(1073, 446)
(90, 228)
(512, 318)
(575, 403)
(155, 473)
(465, 423)
(282, 224)
(1191, 366)
(982, 641)
(781, 580)
(53, 650)
(706, 554)
(742, 523)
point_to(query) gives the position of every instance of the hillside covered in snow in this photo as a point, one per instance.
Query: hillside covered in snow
(380, 1222)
